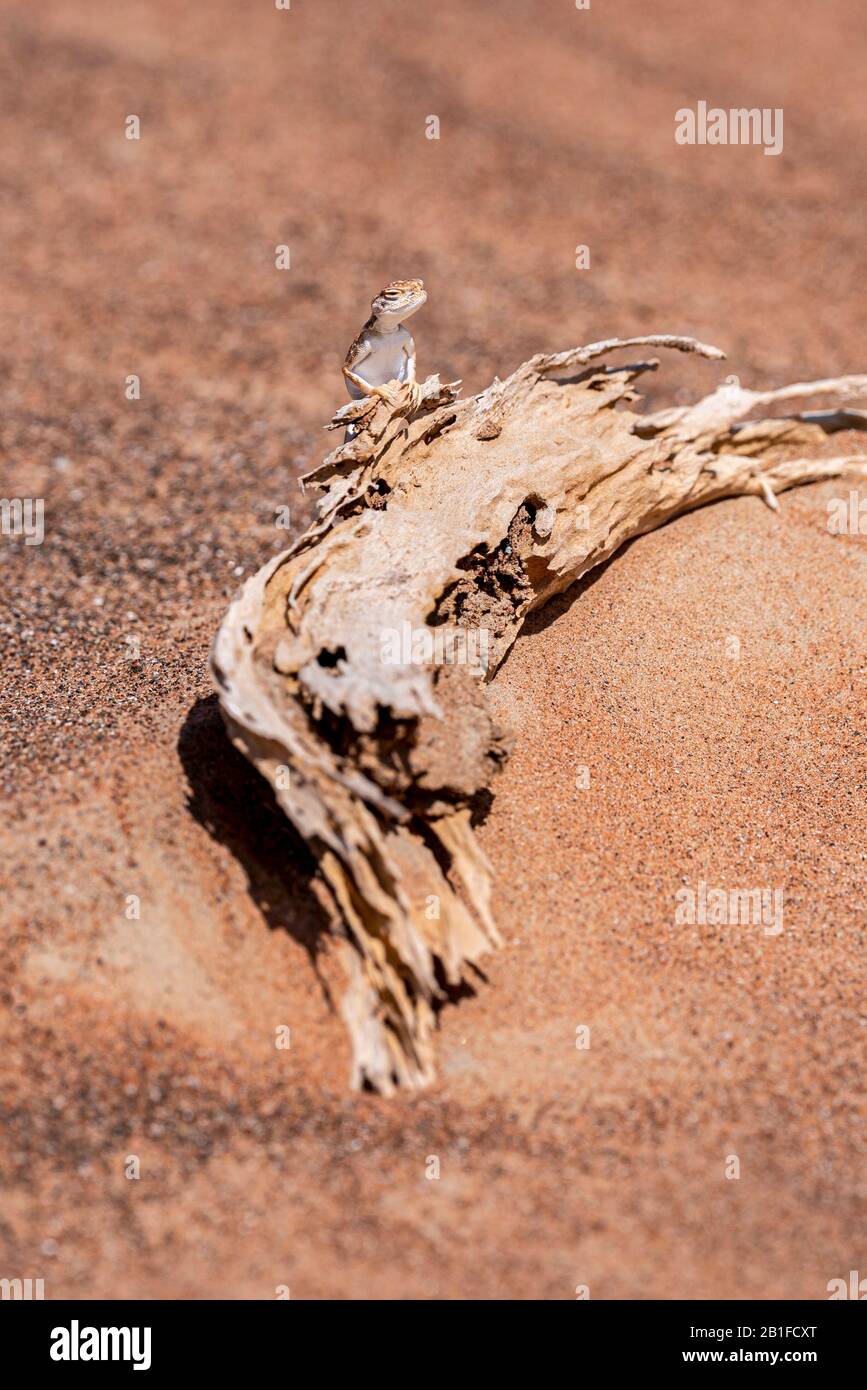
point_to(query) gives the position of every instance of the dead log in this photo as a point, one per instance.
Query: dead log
(352, 668)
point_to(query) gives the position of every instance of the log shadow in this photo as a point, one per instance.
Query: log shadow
(237, 807)
(559, 604)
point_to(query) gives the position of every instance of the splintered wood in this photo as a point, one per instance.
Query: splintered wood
(352, 668)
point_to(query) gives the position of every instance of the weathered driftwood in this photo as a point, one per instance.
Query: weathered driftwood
(447, 514)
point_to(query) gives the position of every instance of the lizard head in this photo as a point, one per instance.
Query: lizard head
(398, 300)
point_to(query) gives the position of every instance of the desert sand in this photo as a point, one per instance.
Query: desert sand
(153, 1036)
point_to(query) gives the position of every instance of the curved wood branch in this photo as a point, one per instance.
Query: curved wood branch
(352, 668)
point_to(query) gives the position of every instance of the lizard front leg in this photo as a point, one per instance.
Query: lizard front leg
(390, 392)
(414, 388)
(409, 354)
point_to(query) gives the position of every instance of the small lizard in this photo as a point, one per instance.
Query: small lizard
(384, 351)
